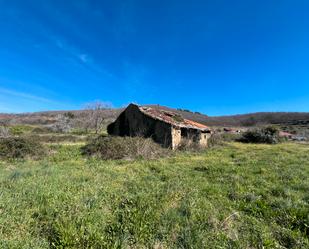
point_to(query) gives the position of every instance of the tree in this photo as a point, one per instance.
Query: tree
(93, 117)
(4, 129)
(63, 123)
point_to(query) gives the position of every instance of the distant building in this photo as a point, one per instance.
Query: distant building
(231, 130)
(286, 134)
(166, 128)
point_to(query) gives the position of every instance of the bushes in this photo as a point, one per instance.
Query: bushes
(41, 130)
(20, 147)
(189, 145)
(17, 130)
(221, 138)
(63, 123)
(268, 135)
(123, 148)
(4, 131)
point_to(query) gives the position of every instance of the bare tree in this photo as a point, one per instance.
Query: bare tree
(63, 123)
(93, 117)
(4, 129)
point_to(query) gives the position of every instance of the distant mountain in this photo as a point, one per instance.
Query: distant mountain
(261, 118)
(251, 119)
(49, 117)
(243, 120)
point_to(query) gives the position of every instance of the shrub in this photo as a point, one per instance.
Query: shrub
(63, 124)
(221, 138)
(268, 135)
(215, 139)
(4, 131)
(17, 130)
(189, 145)
(108, 147)
(41, 130)
(20, 147)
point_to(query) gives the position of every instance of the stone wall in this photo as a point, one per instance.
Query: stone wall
(204, 139)
(195, 136)
(132, 122)
(176, 137)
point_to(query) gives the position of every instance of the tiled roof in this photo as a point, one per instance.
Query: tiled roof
(199, 125)
(172, 118)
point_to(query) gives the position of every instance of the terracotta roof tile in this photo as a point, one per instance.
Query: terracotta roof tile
(193, 123)
(172, 118)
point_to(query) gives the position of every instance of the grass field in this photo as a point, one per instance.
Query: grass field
(233, 196)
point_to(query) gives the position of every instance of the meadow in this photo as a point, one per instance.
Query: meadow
(231, 196)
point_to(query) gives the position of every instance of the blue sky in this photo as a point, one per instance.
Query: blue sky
(216, 57)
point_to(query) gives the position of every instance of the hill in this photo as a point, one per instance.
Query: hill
(251, 119)
(287, 119)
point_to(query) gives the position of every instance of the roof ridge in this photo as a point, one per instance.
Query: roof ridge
(175, 119)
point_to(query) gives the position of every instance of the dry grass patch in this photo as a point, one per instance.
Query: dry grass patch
(128, 148)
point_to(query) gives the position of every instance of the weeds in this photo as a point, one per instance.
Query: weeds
(267, 135)
(189, 145)
(123, 148)
(233, 196)
(20, 147)
(222, 138)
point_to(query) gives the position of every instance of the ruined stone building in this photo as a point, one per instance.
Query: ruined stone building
(166, 128)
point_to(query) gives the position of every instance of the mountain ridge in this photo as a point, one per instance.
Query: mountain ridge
(248, 119)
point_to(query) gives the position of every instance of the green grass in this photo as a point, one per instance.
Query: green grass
(236, 196)
(17, 130)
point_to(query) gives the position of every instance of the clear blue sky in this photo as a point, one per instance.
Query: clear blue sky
(217, 57)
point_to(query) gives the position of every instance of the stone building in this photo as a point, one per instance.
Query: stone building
(166, 128)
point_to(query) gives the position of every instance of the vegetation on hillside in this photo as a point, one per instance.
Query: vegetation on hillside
(88, 119)
(233, 196)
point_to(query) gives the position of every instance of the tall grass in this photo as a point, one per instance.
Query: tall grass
(234, 196)
(109, 147)
(20, 148)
